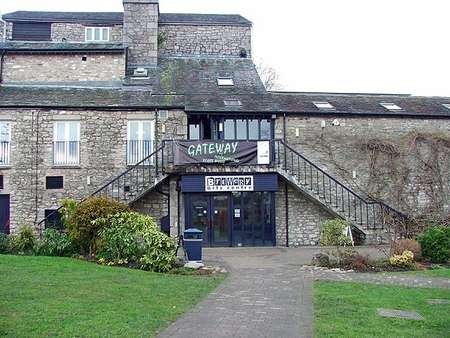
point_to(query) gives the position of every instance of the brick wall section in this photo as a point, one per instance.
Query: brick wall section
(76, 32)
(63, 67)
(103, 137)
(304, 218)
(339, 151)
(184, 40)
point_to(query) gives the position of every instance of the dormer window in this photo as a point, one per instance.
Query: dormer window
(446, 105)
(225, 81)
(323, 105)
(391, 106)
(97, 34)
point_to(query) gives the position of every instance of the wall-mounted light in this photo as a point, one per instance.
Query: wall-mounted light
(163, 128)
(354, 174)
(88, 180)
(323, 124)
(221, 127)
(297, 132)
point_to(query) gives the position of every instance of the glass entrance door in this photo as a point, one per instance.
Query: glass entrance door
(4, 214)
(211, 214)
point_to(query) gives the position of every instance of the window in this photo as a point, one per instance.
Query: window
(391, 106)
(234, 103)
(97, 34)
(241, 129)
(225, 81)
(5, 140)
(1, 182)
(53, 219)
(266, 130)
(247, 129)
(324, 105)
(229, 132)
(446, 105)
(141, 135)
(66, 148)
(54, 182)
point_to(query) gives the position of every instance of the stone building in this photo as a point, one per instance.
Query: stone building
(166, 112)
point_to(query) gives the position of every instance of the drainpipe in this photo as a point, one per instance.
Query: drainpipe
(286, 195)
(2, 61)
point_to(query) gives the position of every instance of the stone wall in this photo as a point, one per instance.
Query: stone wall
(63, 67)
(103, 136)
(140, 32)
(304, 218)
(76, 32)
(196, 40)
(402, 161)
(2, 31)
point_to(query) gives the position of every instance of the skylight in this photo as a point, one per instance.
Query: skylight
(232, 103)
(391, 106)
(446, 105)
(225, 81)
(324, 105)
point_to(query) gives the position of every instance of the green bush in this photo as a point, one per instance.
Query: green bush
(132, 238)
(4, 244)
(332, 233)
(79, 220)
(435, 243)
(55, 243)
(24, 241)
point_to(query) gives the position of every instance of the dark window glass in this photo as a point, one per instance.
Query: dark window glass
(54, 182)
(228, 130)
(253, 129)
(241, 129)
(266, 130)
(1, 181)
(53, 220)
(31, 31)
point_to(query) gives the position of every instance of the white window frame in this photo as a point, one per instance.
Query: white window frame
(324, 105)
(5, 149)
(133, 158)
(64, 160)
(102, 38)
(225, 81)
(391, 106)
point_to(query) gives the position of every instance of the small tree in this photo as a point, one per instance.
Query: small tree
(269, 76)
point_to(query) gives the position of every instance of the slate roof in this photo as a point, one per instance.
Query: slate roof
(302, 103)
(116, 18)
(35, 47)
(106, 98)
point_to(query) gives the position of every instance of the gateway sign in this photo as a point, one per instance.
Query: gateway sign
(229, 183)
(222, 152)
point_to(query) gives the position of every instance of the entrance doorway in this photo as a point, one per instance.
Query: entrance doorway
(4, 214)
(232, 219)
(211, 214)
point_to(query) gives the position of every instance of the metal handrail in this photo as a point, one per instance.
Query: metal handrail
(351, 203)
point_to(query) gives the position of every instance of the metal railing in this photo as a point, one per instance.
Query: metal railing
(369, 214)
(138, 150)
(4, 153)
(66, 153)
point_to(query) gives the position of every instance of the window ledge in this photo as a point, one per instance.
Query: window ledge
(5, 167)
(66, 167)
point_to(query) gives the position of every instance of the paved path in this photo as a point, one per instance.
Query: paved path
(268, 294)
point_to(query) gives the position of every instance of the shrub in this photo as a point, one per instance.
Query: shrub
(405, 260)
(435, 243)
(24, 241)
(410, 245)
(359, 263)
(332, 233)
(55, 243)
(4, 244)
(132, 238)
(321, 259)
(79, 220)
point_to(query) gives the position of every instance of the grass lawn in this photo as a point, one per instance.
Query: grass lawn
(60, 297)
(350, 310)
(441, 272)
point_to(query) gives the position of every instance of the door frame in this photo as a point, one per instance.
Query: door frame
(209, 239)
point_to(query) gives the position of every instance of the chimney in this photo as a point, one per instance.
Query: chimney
(140, 33)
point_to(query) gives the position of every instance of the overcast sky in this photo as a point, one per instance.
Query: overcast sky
(397, 46)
